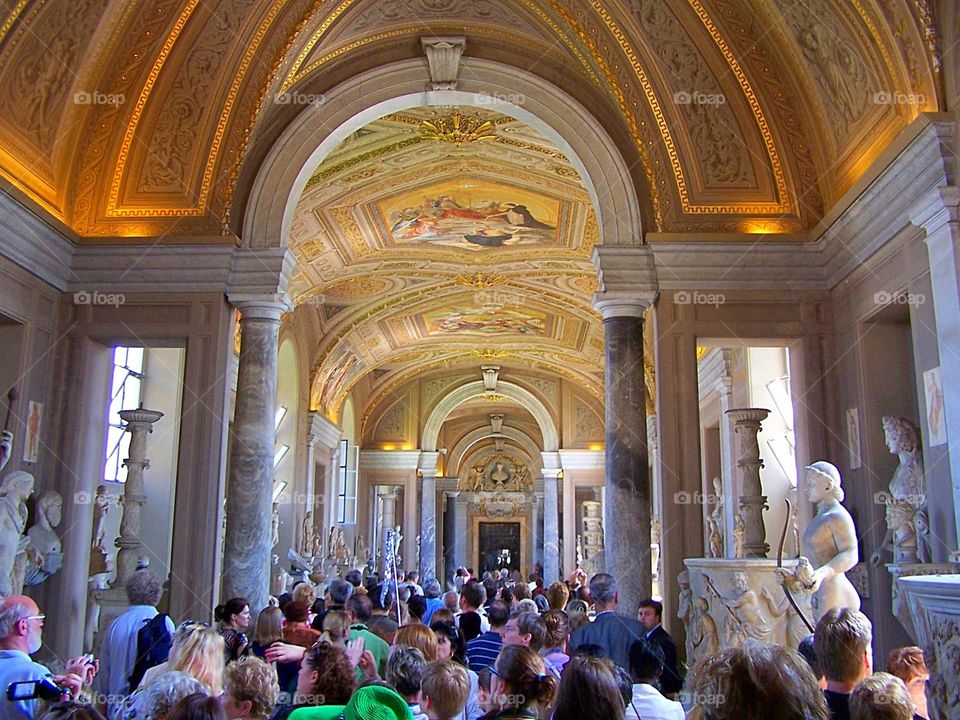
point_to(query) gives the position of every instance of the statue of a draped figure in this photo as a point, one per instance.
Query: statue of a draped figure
(906, 500)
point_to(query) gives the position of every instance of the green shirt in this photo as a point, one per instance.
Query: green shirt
(375, 644)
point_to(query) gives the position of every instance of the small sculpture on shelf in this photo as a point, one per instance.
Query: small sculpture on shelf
(906, 497)
(14, 491)
(45, 551)
(738, 537)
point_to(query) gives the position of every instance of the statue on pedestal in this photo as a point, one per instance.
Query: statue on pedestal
(715, 521)
(99, 554)
(685, 612)
(275, 526)
(738, 535)
(14, 491)
(45, 551)
(907, 496)
(830, 543)
(306, 536)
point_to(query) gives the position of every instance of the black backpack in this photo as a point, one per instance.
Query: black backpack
(153, 646)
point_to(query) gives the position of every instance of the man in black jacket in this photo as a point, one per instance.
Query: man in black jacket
(649, 614)
(612, 632)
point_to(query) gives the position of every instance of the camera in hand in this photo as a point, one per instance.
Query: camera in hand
(44, 689)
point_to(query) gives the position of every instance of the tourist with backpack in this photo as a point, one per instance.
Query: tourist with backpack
(123, 642)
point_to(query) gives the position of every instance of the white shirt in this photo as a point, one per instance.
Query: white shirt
(484, 621)
(118, 653)
(651, 705)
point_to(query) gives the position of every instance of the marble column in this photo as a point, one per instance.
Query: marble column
(535, 530)
(552, 473)
(460, 523)
(450, 560)
(388, 496)
(80, 466)
(752, 501)
(427, 472)
(939, 216)
(139, 423)
(246, 559)
(626, 468)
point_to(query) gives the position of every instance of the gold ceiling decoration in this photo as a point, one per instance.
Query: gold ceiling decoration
(458, 129)
(479, 280)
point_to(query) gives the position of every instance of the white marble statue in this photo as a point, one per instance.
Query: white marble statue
(715, 521)
(45, 551)
(685, 611)
(14, 491)
(706, 638)
(6, 447)
(907, 494)
(829, 542)
(306, 534)
(275, 526)
(475, 479)
(739, 531)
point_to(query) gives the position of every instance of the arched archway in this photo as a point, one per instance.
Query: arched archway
(548, 428)
(315, 133)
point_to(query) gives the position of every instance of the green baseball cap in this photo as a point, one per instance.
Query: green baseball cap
(374, 702)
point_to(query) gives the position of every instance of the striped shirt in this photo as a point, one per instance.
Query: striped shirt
(482, 651)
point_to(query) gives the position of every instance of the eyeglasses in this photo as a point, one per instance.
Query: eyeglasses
(493, 671)
(35, 617)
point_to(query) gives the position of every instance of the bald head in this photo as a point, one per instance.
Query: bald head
(21, 624)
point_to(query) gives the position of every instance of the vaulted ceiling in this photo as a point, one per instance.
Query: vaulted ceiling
(132, 119)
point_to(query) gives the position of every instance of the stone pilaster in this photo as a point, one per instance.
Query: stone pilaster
(250, 487)
(627, 473)
(427, 470)
(450, 559)
(939, 215)
(552, 472)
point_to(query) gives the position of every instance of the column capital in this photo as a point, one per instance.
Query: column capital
(255, 306)
(626, 269)
(451, 494)
(320, 430)
(938, 207)
(427, 463)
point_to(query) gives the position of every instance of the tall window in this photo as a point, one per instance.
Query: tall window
(124, 395)
(347, 490)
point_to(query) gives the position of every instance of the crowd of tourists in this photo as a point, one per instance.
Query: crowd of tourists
(495, 647)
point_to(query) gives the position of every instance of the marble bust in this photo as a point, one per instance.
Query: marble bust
(45, 550)
(14, 491)
(906, 498)
(829, 542)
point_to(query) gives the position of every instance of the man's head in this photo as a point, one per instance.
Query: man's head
(144, 588)
(498, 613)
(444, 690)
(842, 642)
(361, 607)
(907, 663)
(432, 589)
(603, 591)
(525, 629)
(413, 576)
(451, 600)
(558, 595)
(646, 661)
(472, 596)
(649, 613)
(881, 697)
(354, 578)
(21, 624)
(404, 672)
(340, 591)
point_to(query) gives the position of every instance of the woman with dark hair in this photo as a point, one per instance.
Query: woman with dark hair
(520, 686)
(197, 706)
(233, 617)
(326, 678)
(269, 630)
(417, 606)
(297, 631)
(588, 691)
(450, 646)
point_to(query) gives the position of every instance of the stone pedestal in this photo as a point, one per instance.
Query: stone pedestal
(139, 423)
(723, 614)
(752, 500)
(249, 504)
(934, 603)
(899, 603)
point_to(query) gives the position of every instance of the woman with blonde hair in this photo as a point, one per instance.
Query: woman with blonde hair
(305, 592)
(336, 628)
(200, 655)
(250, 689)
(420, 637)
(269, 630)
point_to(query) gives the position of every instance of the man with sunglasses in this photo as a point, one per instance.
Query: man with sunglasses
(21, 635)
